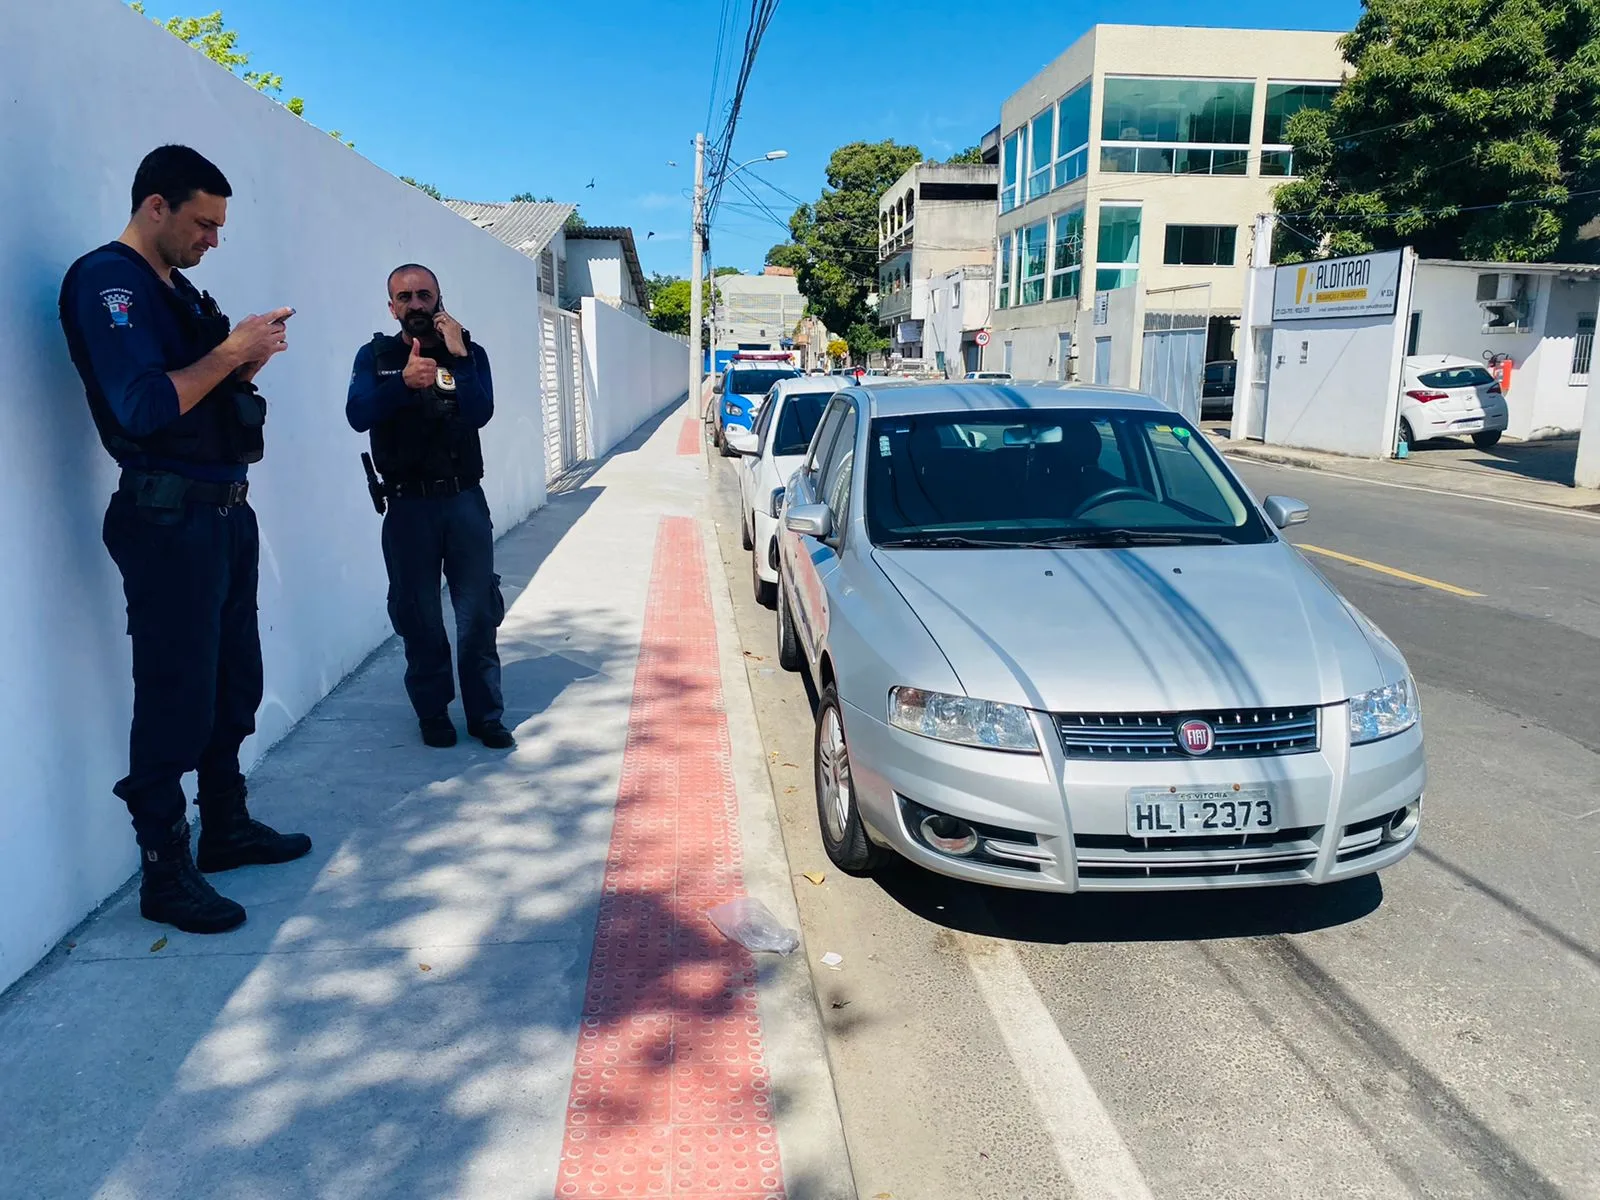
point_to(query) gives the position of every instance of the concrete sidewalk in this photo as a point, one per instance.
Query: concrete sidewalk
(400, 1015)
(1493, 473)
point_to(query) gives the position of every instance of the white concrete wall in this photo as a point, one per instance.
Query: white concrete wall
(86, 89)
(631, 372)
(1587, 471)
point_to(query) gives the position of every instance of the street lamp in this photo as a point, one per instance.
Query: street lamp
(703, 228)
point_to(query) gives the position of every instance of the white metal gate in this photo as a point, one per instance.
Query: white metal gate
(1174, 350)
(566, 428)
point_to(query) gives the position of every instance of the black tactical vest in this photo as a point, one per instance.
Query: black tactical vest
(425, 440)
(225, 427)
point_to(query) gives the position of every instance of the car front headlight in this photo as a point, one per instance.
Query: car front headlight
(733, 410)
(1383, 712)
(986, 724)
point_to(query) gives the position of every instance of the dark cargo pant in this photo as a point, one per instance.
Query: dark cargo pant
(189, 575)
(422, 536)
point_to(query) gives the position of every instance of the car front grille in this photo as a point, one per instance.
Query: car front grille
(1238, 733)
(1116, 857)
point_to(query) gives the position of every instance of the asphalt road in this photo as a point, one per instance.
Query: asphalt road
(1432, 1032)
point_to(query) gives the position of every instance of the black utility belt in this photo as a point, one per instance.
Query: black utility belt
(167, 489)
(407, 489)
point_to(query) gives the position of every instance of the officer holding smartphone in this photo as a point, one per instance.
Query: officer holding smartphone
(424, 393)
(172, 393)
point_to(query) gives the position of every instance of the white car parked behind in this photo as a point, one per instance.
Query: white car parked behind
(1444, 394)
(770, 454)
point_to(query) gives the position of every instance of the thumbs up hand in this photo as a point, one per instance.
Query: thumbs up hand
(420, 372)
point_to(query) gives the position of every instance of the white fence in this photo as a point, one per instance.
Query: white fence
(566, 414)
(311, 224)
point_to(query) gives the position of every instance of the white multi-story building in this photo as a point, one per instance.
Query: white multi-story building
(1141, 156)
(932, 220)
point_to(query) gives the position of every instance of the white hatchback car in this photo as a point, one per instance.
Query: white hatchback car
(770, 453)
(1444, 394)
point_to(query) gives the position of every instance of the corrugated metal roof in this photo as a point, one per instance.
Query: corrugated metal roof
(524, 225)
(630, 253)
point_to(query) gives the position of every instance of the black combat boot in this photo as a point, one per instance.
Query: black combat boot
(173, 892)
(229, 838)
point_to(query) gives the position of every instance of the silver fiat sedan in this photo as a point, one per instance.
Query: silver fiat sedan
(1060, 646)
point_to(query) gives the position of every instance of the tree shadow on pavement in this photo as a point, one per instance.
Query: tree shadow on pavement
(1054, 919)
(398, 1017)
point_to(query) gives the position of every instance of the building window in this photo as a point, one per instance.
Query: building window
(1176, 126)
(955, 295)
(1013, 165)
(547, 272)
(1200, 245)
(1117, 248)
(1003, 292)
(1035, 244)
(1072, 135)
(1283, 101)
(1042, 140)
(1066, 266)
(1582, 351)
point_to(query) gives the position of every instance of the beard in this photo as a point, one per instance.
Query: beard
(419, 322)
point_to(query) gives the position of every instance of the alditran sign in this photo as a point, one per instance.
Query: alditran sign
(1364, 285)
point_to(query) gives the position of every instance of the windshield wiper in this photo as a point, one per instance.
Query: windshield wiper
(1126, 537)
(947, 541)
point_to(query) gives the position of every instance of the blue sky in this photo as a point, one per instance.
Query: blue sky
(485, 98)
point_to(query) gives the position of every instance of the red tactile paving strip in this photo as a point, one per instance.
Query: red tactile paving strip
(689, 437)
(670, 1095)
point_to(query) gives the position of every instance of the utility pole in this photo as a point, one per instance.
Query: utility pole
(696, 271)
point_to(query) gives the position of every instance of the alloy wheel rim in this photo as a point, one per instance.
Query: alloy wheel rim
(835, 767)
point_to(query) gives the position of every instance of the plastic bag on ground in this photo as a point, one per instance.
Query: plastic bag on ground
(751, 923)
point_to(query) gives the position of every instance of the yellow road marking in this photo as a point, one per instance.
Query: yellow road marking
(1383, 570)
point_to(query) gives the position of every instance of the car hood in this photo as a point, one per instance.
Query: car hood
(1138, 630)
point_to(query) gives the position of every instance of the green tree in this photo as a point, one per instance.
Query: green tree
(522, 197)
(669, 307)
(864, 339)
(211, 36)
(971, 155)
(787, 254)
(837, 235)
(425, 188)
(1466, 129)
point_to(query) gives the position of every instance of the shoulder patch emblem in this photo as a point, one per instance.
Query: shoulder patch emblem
(118, 302)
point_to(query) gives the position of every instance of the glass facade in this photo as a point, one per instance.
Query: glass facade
(1035, 245)
(1072, 135)
(1284, 100)
(1200, 245)
(1003, 289)
(1117, 247)
(1042, 139)
(1176, 126)
(1067, 262)
(1010, 171)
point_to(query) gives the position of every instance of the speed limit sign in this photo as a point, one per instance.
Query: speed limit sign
(982, 338)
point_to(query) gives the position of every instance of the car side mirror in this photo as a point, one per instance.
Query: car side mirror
(1284, 511)
(742, 441)
(811, 520)
(716, 386)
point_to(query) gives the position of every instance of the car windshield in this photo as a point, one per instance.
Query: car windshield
(797, 421)
(1455, 377)
(1059, 477)
(756, 381)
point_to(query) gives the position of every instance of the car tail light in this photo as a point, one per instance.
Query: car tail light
(1422, 397)
(1494, 390)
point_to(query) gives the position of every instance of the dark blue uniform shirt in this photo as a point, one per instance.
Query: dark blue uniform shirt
(124, 338)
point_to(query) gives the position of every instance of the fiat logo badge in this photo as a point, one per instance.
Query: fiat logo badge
(1196, 737)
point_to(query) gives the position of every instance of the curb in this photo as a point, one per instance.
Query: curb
(811, 1141)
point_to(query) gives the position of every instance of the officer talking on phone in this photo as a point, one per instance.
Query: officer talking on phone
(424, 393)
(172, 393)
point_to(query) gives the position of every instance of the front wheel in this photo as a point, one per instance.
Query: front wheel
(843, 835)
(1487, 438)
(788, 638)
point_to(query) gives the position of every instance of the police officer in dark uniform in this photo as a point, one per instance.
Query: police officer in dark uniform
(424, 393)
(171, 393)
